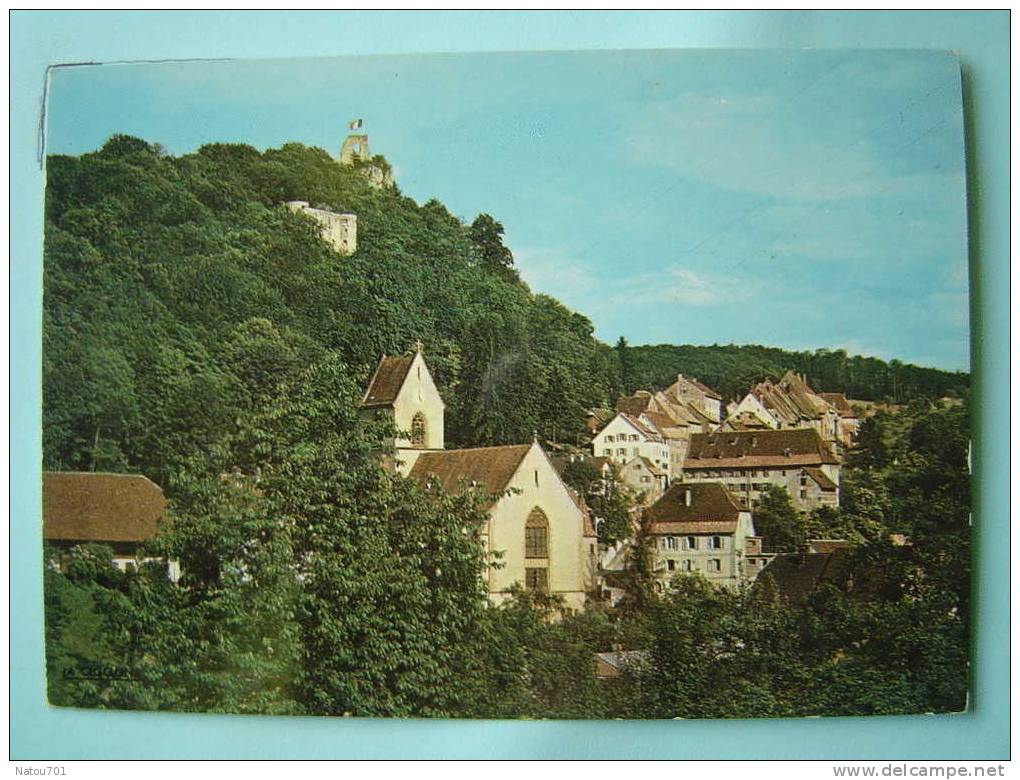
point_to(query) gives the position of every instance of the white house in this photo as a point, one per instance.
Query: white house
(626, 437)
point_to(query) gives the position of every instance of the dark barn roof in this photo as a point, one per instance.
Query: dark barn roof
(96, 507)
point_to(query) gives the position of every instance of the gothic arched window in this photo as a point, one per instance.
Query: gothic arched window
(536, 535)
(418, 430)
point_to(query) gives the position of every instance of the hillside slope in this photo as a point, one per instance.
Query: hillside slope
(179, 289)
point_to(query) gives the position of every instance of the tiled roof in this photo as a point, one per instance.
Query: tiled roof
(708, 391)
(796, 575)
(712, 510)
(661, 421)
(386, 382)
(821, 478)
(488, 469)
(840, 403)
(740, 449)
(634, 404)
(647, 431)
(96, 507)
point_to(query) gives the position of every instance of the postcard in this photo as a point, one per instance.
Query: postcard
(593, 385)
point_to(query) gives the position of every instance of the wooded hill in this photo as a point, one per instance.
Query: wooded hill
(732, 370)
(193, 325)
(179, 288)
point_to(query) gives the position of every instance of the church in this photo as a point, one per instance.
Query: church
(539, 533)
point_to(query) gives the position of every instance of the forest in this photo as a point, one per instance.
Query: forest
(194, 326)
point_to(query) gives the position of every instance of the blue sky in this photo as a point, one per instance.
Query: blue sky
(800, 199)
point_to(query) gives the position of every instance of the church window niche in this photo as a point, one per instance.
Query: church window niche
(536, 535)
(418, 431)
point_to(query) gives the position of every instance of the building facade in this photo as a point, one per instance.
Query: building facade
(748, 462)
(703, 529)
(339, 229)
(538, 532)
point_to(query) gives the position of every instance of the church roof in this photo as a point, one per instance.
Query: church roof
(748, 449)
(712, 509)
(489, 469)
(98, 507)
(387, 380)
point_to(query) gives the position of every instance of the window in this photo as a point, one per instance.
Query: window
(803, 494)
(536, 477)
(621, 451)
(646, 479)
(686, 566)
(418, 430)
(717, 543)
(672, 543)
(609, 439)
(536, 579)
(671, 565)
(714, 564)
(692, 543)
(536, 535)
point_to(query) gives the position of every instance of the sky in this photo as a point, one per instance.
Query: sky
(802, 199)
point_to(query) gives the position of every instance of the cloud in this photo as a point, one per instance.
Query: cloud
(681, 285)
(795, 148)
(552, 270)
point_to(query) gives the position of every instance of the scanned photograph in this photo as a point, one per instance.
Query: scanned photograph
(592, 385)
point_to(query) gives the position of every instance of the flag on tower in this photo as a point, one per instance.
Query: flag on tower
(355, 124)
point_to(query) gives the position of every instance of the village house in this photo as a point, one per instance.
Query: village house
(704, 529)
(626, 437)
(697, 395)
(645, 481)
(542, 531)
(119, 511)
(789, 404)
(747, 462)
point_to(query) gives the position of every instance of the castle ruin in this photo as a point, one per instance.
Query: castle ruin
(339, 229)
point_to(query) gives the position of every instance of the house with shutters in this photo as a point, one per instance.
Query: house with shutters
(119, 511)
(702, 528)
(626, 437)
(747, 462)
(540, 530)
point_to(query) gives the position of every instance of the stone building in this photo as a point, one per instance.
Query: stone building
(542, 531)
(747, 462)
(339, 229)
(703, 528)
(120, 511)
(355, 152)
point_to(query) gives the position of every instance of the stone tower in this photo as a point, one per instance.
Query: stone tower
(354, 149)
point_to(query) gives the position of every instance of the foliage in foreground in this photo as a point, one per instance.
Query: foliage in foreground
(332, 587)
